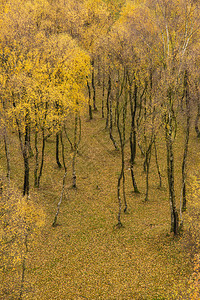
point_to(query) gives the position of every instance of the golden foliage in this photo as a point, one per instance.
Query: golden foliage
(20, 218)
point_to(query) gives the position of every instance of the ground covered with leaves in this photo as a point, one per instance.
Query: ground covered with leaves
(86, 256)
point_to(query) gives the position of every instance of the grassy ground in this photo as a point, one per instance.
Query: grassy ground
(86, 256)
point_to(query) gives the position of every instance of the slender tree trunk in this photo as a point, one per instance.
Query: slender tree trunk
(197, 121)
(36, 159)
(75, 152)
(93, 86)
(29, 142)
(60, 201)
(63, 150)
(198, 112)
(26, 162)
(24, 149)
(72, 149)
(57, 151)
(122, 144)
(63, 184)
(107, 102)
(7, 152)
(99, 72)
(42, 158)
(133, 133)
(183, 208)
(103, 94)
(123, 141)
(89, 100)
(157, 164)
(147, 163)
(170, 172)
(111, 116)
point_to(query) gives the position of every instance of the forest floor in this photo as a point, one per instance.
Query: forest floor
(86, 256)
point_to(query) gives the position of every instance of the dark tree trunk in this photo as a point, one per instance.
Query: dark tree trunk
(57, 151)
(63, 150)
(186, 85)
(26, 163)
(103, 94)
(198, 112)
(75, 149)
(99, 72)
(147, 164)
(72, 148)
(133, 107)
(111, 116)
(107, 102)
(89, 101)
(122, 144)
(93, 86)
(7, 152)
(42, 158)
(157, 164)
(36, 159)
(170, 173)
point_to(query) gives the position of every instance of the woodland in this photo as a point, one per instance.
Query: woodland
(99, 149)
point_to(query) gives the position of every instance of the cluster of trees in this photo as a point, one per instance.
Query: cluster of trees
(144, 57)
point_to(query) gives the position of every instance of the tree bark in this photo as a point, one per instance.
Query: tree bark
(183, 208)
(170, 173)
(133, 133)
(107, 103)
(122, 138)
(72, 149)
(147, 163)
(75, 152)
(89, 101)
(7, 152)
(103, 94)
(157, 164)
(111, 115)
(36, 159)
(57, 151)
(42, 158)
(198, 112)
(93, 86)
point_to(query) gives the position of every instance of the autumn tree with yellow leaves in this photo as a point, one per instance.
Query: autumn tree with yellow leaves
(43, 77)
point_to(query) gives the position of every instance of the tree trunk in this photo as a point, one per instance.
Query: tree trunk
(93, 86)
(26, 163)
(133, 133)
(89, 101)
(36, 159)
(7, 152)
(122, 144)
(72, 149)
(63, 150)
(157, 164)
(111, 115)
(75, 152)
(42, 158)
(57, 151)
(103, 93)
(147, 163)
(183, 208)
(107, 102)
(170, 173)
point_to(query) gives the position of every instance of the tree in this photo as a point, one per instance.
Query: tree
(46, 74)
(21, 222)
